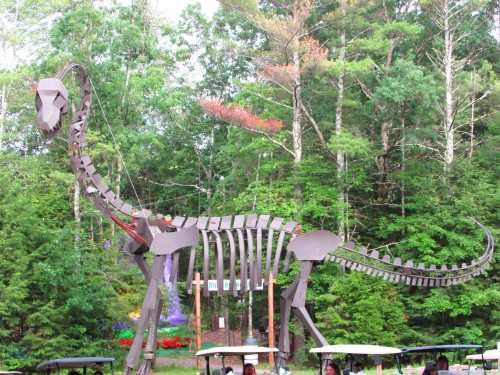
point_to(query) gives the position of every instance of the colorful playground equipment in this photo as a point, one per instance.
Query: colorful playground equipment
(249, 247)
(168, 337)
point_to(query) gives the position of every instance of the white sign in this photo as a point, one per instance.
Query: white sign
(212, 285)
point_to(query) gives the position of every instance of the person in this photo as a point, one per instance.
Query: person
(332, 369)
(430, 369)
(442, 363)
(249, 369)
(358, 369)
(228, 371)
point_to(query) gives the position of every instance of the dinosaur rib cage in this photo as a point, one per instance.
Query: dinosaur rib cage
(244, 236)
(247, 233)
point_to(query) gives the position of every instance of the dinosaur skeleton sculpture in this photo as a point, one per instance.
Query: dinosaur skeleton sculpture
(254, 245)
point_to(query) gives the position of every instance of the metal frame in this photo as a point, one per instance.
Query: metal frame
(239, 240)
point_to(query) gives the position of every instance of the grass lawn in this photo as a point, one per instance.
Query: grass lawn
(177, 370)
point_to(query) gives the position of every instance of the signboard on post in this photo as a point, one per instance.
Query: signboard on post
(212, 285)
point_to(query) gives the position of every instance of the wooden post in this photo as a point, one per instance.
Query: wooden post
(270, 309)
(197, 314)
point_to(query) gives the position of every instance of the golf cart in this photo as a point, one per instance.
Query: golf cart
(351, 350)
(437, 350)
(226, 351)
(487, 356)
(57, 365)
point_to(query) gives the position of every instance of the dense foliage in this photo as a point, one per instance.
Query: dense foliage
(384, 177)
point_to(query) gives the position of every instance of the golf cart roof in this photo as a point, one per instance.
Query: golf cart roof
(73, 362)
(356, 349)
(439, 348)
(10, 372)
(235, 350)
(488, 355)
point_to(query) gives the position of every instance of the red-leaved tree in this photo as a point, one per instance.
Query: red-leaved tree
(239, 116)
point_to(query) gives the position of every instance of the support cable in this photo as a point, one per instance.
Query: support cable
(122, 160)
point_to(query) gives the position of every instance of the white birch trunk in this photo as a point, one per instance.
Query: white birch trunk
(472, 114)
(449, 131)
(297, 105)
(338, 124)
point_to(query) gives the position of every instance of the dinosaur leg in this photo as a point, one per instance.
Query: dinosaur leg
(299, 304)
(150, 349)
(143, 266)
(285, 312)
(148, 307)
(158, 313)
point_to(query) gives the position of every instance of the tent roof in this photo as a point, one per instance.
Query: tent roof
(236, 350)
(357, 349)
(73, 362)
(439, 348)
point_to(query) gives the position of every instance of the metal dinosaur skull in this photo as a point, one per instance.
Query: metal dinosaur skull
(51, 102)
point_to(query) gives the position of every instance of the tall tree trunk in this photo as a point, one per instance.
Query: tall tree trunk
(76, 210)
(227, 330)
(110, 178)
(297, 105)
(472, 114)
(497, 20)
(297, 119)
(76, 202)
(385, 130)
(119, 169)
(403, 167)
(3, 113)
(449, 131)
(383, 160)
(257, 176)
(341, 165)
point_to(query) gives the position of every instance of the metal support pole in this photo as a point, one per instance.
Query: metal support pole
(270, 309)
(197, 314)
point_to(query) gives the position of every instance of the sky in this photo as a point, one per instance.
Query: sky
(172, 9)
(167, 9)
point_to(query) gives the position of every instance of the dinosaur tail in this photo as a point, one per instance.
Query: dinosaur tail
(393, 270)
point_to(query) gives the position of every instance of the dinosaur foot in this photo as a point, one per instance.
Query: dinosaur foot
(147, 364)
